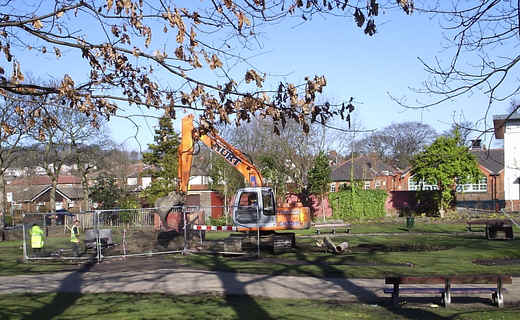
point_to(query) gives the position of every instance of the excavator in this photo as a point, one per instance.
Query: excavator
(254, 207)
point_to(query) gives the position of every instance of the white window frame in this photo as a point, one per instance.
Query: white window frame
(367, 185)
(413, 186)
(333, 187)
(480, 186)
(146, 181)
(132, 181)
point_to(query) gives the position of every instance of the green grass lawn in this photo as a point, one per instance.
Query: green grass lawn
(371, 256)
(161, 306)
(375, 257)
(376, 227)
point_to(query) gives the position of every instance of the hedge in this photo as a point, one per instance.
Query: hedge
(358, 204)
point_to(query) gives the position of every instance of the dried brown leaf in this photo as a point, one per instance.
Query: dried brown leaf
(37, 24)
(109, 4)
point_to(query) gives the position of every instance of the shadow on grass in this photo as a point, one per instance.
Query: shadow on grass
(67, 294)
(367, 296)
(248, 308)
(236, 296)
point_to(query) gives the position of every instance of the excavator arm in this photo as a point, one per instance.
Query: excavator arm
(217, 144)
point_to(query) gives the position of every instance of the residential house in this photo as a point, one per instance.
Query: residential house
(487, 193)
(199, 192)
(369, 170)
(139, 177)
(32, 194)
(507, 127)
(373, 173)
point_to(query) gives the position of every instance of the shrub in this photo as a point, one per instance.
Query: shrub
(217, 221)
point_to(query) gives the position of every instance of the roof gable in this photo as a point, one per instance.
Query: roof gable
(364, 167)
(45, 180)
(492, 159)
(48, 189)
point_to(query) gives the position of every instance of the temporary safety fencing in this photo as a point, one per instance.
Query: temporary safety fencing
(118, 233)
(103, 234)
(214, 228)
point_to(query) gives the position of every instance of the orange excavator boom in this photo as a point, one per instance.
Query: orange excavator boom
(232, 155)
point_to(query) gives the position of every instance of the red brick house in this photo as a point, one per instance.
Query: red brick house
(200, 194)
(32, 194)
(373, 173)
(488, 193)
(369, 170)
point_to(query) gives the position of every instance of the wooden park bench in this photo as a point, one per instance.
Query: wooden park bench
(333, 226)
(497, 297)
(492, 227)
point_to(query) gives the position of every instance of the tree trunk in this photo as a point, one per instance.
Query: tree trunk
(226, 207)
(84, 184)
(3, 200)
(52, 195)
(321, 205)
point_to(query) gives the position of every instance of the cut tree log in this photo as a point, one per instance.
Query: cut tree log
(342, 247)
(330, 245)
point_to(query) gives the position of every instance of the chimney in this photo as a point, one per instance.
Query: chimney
(476, 144)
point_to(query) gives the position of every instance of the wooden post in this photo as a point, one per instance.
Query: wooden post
(395, 294)
(500, 297)
(447, 293)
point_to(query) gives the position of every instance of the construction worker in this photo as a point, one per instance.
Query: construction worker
(36, 239)
(74, 238)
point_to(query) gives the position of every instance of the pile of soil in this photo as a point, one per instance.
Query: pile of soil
(142, 241)
(11, 234)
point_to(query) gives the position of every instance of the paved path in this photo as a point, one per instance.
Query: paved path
(186, 281)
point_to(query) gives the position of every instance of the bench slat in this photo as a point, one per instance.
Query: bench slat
(332, 225)
(441, 290)
(477, 279)
(415, 290)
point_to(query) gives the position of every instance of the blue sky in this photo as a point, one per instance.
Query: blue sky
(366, 68)
(355, 65)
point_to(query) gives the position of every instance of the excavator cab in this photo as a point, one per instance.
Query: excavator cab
(254, 207)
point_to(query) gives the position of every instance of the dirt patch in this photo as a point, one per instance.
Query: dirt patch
(366, 247)
(497, 262)
(348, 261)
(141, 241)
(11, 234)
(134, 264)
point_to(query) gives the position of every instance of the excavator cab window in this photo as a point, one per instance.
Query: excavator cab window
(268, 201)
(247, 207)
(248, 199)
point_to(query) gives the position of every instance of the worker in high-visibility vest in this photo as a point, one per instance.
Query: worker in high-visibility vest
(74, 238)
(36, 239)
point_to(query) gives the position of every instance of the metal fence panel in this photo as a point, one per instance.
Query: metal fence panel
(115, 233)
(56, 231)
